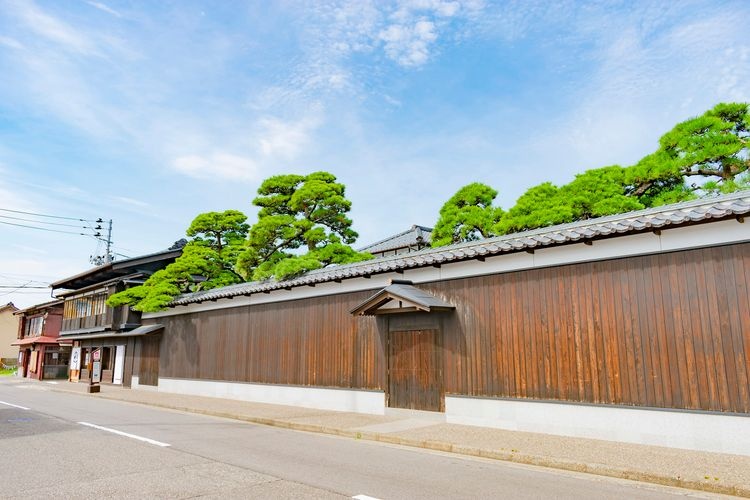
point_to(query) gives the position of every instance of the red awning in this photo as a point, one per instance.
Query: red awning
(36, 340)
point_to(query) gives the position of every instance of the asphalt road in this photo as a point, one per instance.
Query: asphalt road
(51, 449)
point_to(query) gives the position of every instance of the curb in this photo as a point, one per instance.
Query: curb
(507, 456)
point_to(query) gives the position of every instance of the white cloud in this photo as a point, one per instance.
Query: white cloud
(51, 28)
(217, 165)
(131, 201)
(10, 42)
(409, 45)
(285, 139)
(105, 8)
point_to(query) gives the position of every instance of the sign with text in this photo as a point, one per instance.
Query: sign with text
(96, 372)
(75, 358)
(96, 355)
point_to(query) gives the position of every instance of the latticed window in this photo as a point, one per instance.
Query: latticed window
(87, 305)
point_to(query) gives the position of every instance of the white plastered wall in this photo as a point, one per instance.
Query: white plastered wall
(322, 398)
(677, 429)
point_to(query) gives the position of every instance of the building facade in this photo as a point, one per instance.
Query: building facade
(89, 324)
(41, 356)
(632, 327)
(8, 334)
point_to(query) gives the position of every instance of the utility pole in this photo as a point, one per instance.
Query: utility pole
(108, 255)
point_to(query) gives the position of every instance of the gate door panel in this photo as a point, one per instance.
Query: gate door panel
(415, 375)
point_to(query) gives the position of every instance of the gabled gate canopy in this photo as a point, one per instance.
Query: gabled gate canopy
(400, 297)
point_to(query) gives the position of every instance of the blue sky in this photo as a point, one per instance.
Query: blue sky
(152, 112)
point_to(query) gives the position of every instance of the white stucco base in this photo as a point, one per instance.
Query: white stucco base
(676, 429)
(134, 384)
(358, 401)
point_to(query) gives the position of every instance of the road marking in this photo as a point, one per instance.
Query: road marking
(14, 406)
(120, 433)
(364, 497)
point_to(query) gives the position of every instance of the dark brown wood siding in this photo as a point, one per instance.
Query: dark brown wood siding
(149, 360)
(415, 370)
(303, 342)
(669, 330)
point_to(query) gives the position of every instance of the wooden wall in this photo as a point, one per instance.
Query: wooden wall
(303, 342)
(669, 330)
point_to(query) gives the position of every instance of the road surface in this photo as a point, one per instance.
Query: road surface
(62, 445)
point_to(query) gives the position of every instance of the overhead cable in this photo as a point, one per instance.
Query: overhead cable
(44, 229)
(50, 216)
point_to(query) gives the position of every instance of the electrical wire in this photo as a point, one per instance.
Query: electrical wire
(17, 287)
(44, 229)
(41, 221)
(50, 216)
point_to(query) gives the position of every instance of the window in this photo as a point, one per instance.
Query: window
(92, 304)
(34, 326)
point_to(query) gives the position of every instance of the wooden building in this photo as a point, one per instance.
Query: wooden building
(88, 324)
(41, 356)
(412, 240)
(633, 327)
(8, 334)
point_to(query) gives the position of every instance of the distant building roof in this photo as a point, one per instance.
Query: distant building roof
(38, 307)
(10, 306)
(736, 205)
(417, 237)
(120, 268)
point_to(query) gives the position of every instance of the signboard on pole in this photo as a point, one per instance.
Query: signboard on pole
(96, 375)
(75, 358)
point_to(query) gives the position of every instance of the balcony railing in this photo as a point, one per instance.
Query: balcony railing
(86, 322)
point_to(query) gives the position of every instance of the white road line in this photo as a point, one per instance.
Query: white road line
(120, 433)
(364, 497)
(14, 406)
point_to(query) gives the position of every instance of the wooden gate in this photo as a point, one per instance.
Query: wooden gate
(415, 375)
(149, 369)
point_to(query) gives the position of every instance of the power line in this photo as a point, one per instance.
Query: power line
(24, 287)
(50, 216)
(44, 229)
(42, 221)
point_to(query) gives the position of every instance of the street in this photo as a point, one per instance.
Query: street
(61, 445)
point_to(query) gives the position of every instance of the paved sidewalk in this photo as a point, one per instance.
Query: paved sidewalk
(714, 472)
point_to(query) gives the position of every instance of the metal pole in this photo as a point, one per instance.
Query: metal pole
(108, 256)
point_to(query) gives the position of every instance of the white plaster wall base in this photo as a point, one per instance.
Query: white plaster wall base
(372, 402)
(134, 384)
(675, 429)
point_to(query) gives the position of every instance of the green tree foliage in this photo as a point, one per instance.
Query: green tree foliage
(207, 261)
(299, 213)
(704, 155)
(467, 216)
(537, 207)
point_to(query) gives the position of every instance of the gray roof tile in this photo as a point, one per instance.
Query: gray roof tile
(705, 209)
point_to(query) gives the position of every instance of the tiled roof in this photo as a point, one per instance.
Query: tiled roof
(703, 210)
(415, 236)
(406, 291)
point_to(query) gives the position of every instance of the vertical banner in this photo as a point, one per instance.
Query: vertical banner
(119, 364)
(75, 358)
